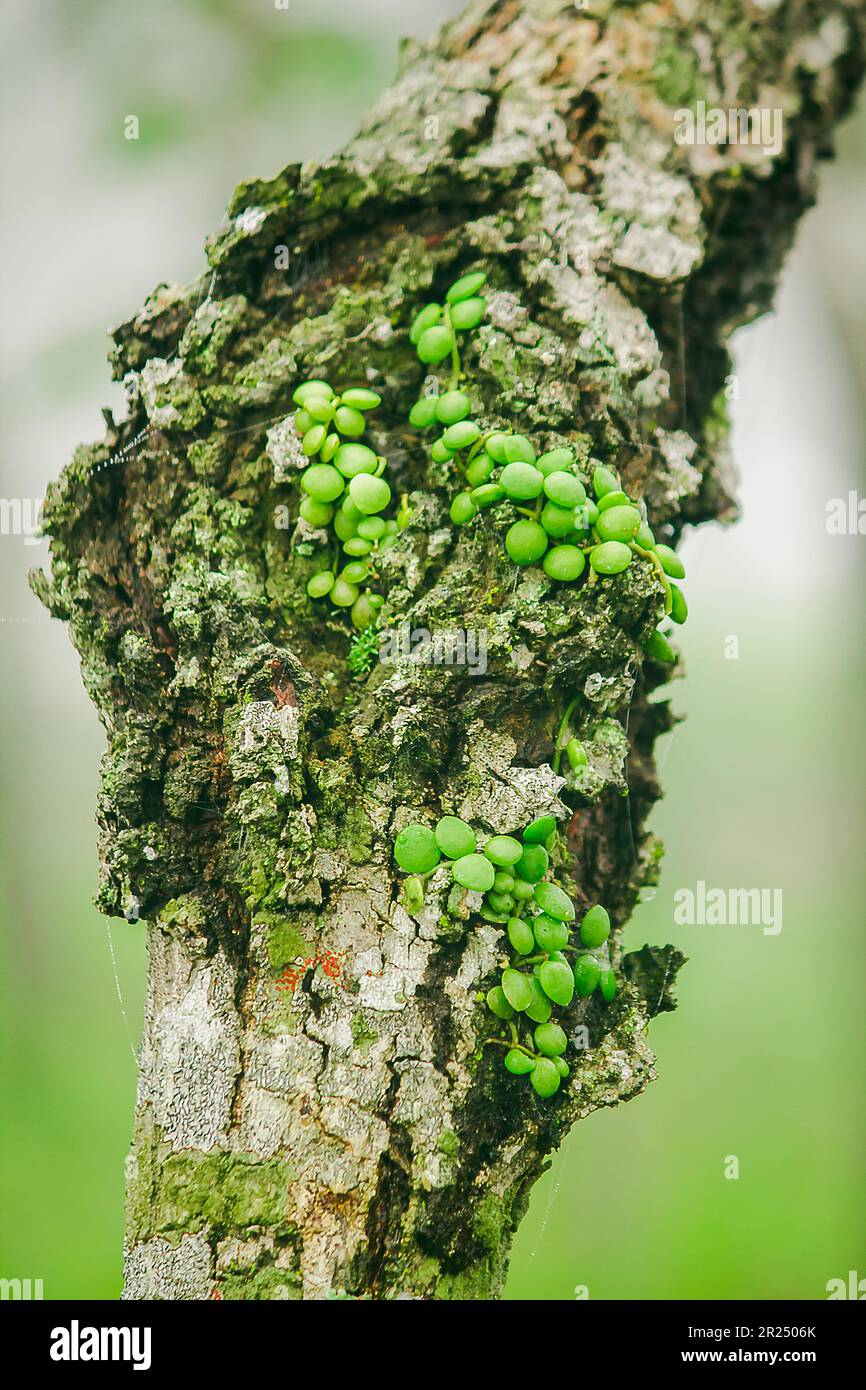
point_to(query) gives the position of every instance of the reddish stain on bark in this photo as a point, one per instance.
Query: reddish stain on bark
(282, 687)
(330, 961)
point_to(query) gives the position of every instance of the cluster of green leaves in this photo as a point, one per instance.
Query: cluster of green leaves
(435, 328)
(363, 650)
(344, 488)
(566, 522)
(514, 877)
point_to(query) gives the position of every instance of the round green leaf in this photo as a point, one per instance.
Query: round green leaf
(423, 412)
(519, 1063)
(587, 973)
(557, 982)
(604, 481)
(521, 481)
(517, 989)
(316, 513)
(416, 850)
(428, 316)
(462, 509)
(555, 461)
(309, 390)
(595, 927)
(618, 524)
(671, 562)
(435, 343)
(369, 494)
(532, 864)
(612, 557)
(468, 314)
(352, 459)
(498, 1004)
(349, 421)
(322, 482)
(453, 406)
(525, 542)
(461, 435)
(518, 448)
(343, 594)
(545, 1077)
(361, 398)
(659, 648)
(550, 1039)
(564, 563)
(466, 286)
(538, 830)
(679, 607)
(520, 935)
(364, 612)
(553, 901)
(473, 871)
(550, 933)
(564, 489)
(503, 850)
(558, 521)
(320, 584)
(454, 837)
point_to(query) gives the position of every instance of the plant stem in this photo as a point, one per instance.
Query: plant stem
(455, 355)
(515, 1046)
(659, 568)
(558, 744)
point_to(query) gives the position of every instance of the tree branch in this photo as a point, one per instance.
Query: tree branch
(353, 1135)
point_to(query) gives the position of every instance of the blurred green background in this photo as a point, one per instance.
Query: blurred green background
(764, 780)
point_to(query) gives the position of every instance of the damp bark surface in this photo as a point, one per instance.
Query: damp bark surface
(319, 1114)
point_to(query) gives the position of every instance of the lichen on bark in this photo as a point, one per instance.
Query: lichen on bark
(355, 1136)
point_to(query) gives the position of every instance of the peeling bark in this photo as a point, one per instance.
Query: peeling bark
(355, 1137)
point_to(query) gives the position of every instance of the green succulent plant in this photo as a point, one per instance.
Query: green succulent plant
(552, 958)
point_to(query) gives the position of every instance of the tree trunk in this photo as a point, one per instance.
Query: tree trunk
(318, 1111)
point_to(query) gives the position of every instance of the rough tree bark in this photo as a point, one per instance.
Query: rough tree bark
(357, 1137)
